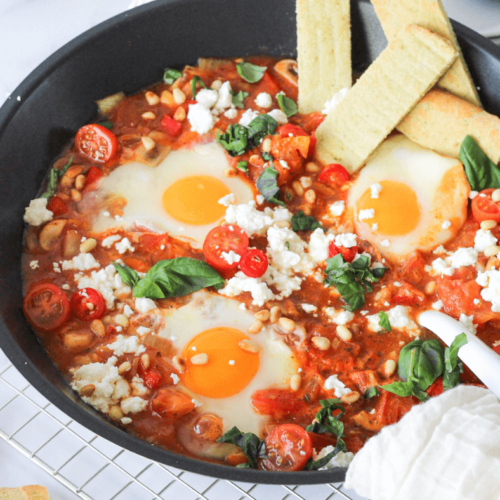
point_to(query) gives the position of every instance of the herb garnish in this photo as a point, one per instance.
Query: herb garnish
(302, 222)
(287, 105)
(171, 278)
(170, 75)
(194, 81)
(238, 98)
(54, 175)
(481, 172)
(250, 444)
(371, 392)
(421, 363)
(353, 279)
(250, 72)
(327, 422)
(243, 166)
(106, 124)
(268, 186)
(383, 321)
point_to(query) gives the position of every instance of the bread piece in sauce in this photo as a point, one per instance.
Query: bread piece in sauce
(441, 121)
(403, 73)
(324, 51)
(33, 492)
(396, 14)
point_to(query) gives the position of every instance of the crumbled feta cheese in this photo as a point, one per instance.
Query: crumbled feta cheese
(483, 240)
(366, 214)
(139, 389)
(341, 459)
(446, 224)
(439, 250)
(490, 281)
(250, 219)
(264, 100)
(123, 246)
(279, 116)
(339, 317)
(463, 257)
(200, 118)
(128, 311)
(65, 287)
(143, 330)
(175, 378)
(34, 264)
(398, 318)
(241, 283)
(126, 420)
(476, 302)
(227, 200)
(133, 405)
(284, 164)
(375, 227)
(308, 308)
(225, 99)
(467, 321)
(285, 247)
(126, 345)
(333, 383)
(207, 97)
(37, 213)
(81, 262)
(231, 257)
(144, 305)
(231, 113)
(385, 243)
(242, 306)
(473, 194)
(247, 117)
(337, 208)
(375, 190)
(232, 362)
(260, 199)
(108, 242)
(332, 104)
(438, 305)
(346, 240)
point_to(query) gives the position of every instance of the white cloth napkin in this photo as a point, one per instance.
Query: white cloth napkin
(445, 449)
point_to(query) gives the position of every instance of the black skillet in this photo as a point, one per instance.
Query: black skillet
(128, 53)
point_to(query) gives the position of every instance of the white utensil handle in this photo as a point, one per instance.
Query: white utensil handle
(480, 358)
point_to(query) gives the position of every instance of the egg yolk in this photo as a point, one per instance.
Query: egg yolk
(397, 211)
(229, 368)
(195, 200)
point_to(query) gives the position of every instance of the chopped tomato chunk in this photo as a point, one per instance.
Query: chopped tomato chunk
(391, 408)
(413, 268)
(57, 206)
(92, 177)
(365, 379)
(408, 295)
(171, 126)
(334, 175)
(275, 401)
(436, 388)
(152, 379)
(458, 296)
(172, 403)
(348, 253)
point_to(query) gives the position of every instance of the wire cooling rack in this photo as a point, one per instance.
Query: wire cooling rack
(95, 469)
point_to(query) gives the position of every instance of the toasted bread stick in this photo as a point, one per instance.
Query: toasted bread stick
(33, 492)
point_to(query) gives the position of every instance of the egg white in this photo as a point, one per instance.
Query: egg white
(277, 363)
(143, 187)
(439, 183)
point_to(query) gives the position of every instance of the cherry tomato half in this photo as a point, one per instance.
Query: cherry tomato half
(88, 304)
(224, 239)
(348, 253)
(484, 208)
(288, 448)
(254, 263)
(57, 206)
(92, 177)
(96, 142)
(46, 306)
(334, 174)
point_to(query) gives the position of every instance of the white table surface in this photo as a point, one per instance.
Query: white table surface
(30, 31)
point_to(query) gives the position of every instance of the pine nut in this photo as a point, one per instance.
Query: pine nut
(430, 288)
(262, 315)
(287, 324)
(216, 85)
(495, 196)
(76, 196)
(295, 382)
(297, 187)
(492, 263)
(488, 224)
(312, 167)
(148, 143)
(145, 361)
(87, 390)
(229, 172)
(152, 98)
(74, 171)
(344, 333)
(350, 397)
(255, 327)
(179, 363)
(306, 209)
(491, 250)
(80, 182)
(249, 346)
(115, 413)
(97, 326)
(267, 144)
(275, 314)
(322, 343)
(67, 181)
(389, 367)
(82, 360)
(167, 98)
(148, 115)
(180, 114)
(310, 196)
(122, 320)
(88, 245)
(124, 367)
(256, 160)
(200, 359)
(306, 182)
(179, 96)
(283, 223)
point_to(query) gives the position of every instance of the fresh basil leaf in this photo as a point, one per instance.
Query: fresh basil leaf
(302, 222)
(238, 98)
(54, 175)
(127, 274)
(106, 124)
(287, 105)
(371, 392)
(402, 389)
(177, 277)
(234, 140)
(267, 156)
(194, 82)
(378, 272)
(433, 353)
(327, 422)
(268, 186)
(250, 444)
(317, 464)
(243, 166)
(481, 172)
(383, 321)
(259, 127)
(451, 353)
(250, 72)
(170, 75)
(406, 356)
